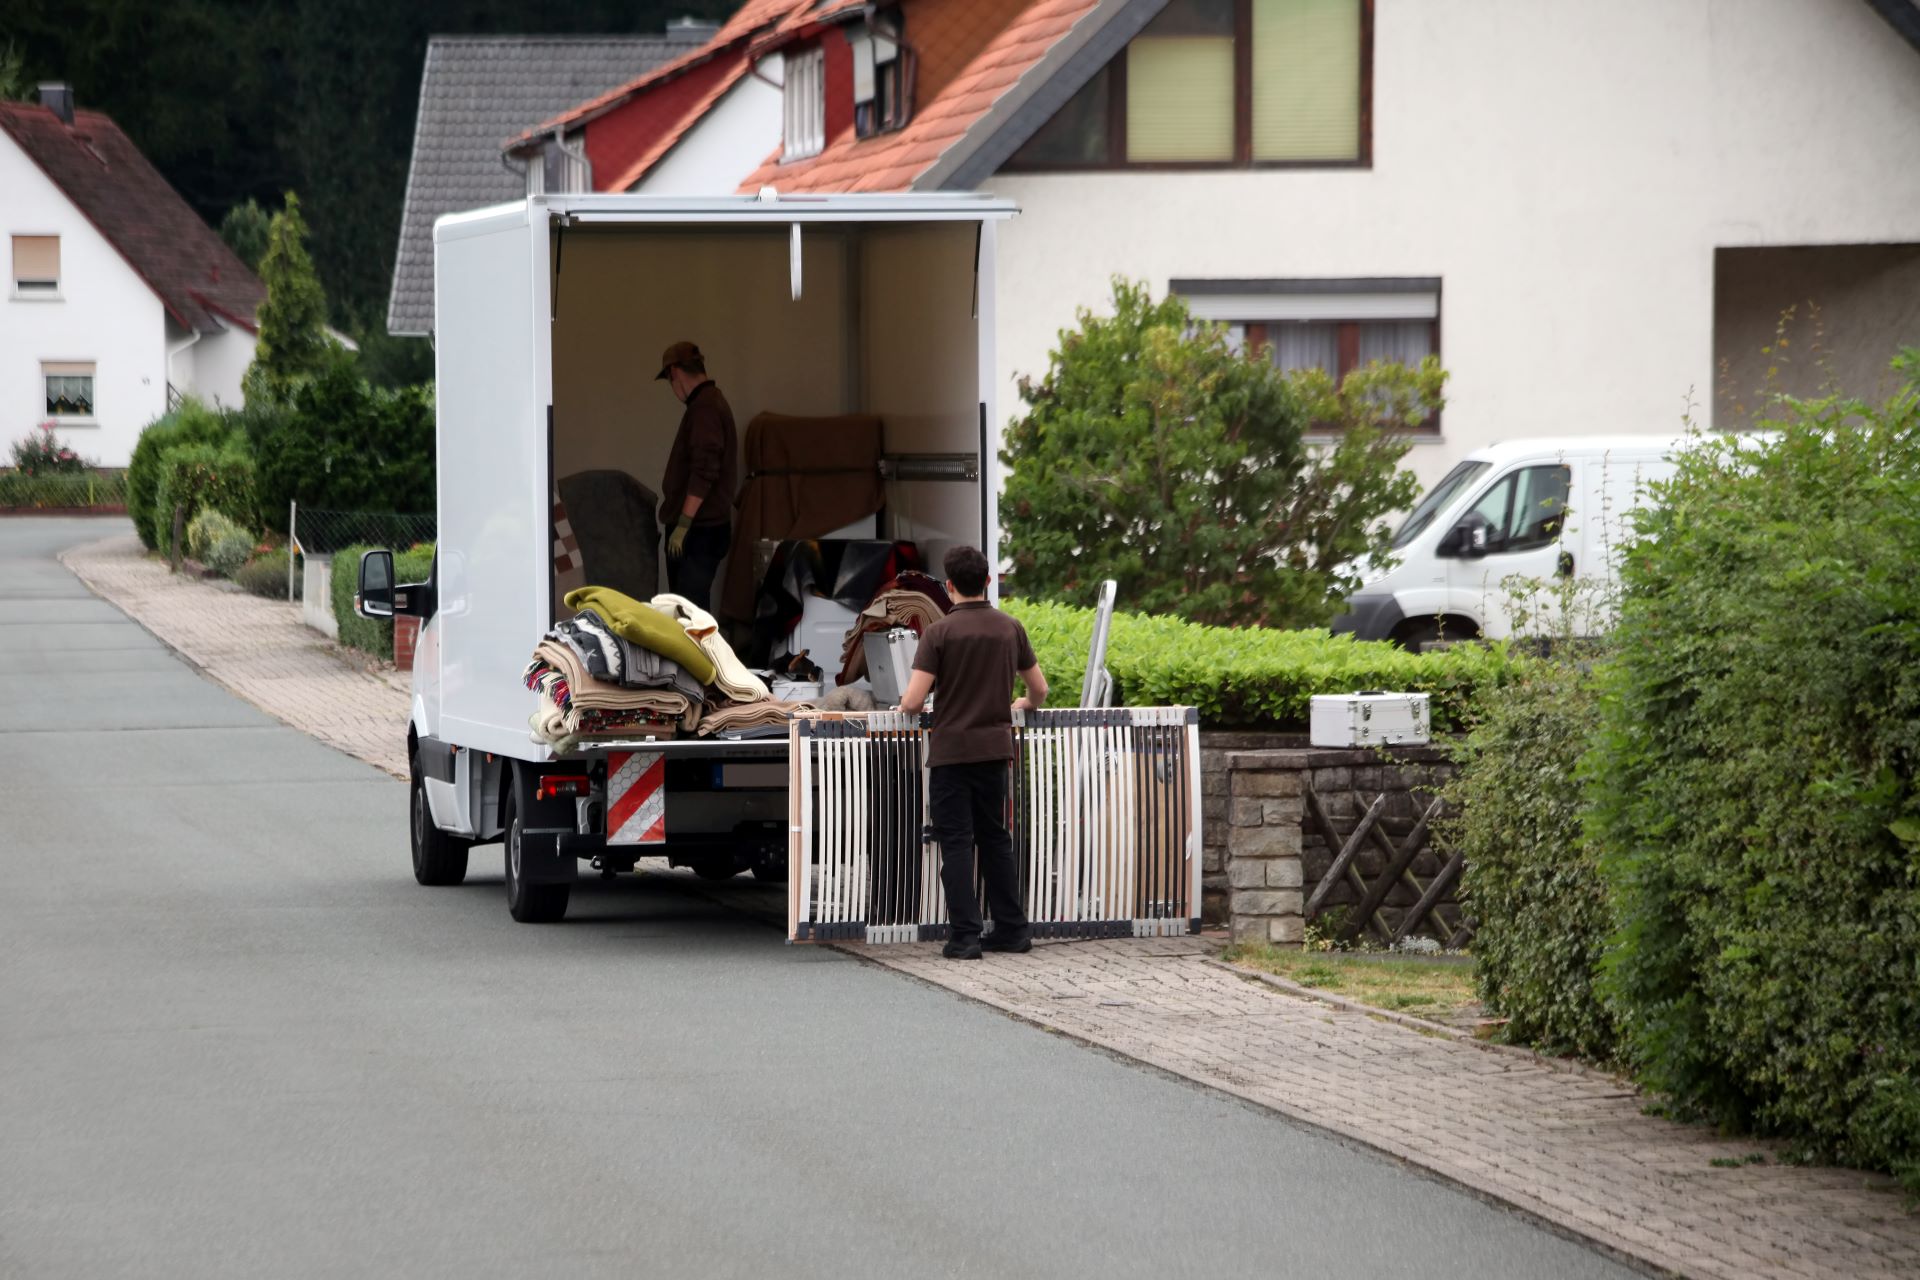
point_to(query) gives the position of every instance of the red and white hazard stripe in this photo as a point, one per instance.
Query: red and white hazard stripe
(636, 797)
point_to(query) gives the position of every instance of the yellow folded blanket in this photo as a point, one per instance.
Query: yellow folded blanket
(646, 626)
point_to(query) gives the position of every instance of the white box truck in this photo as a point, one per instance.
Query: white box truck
(1537, 510)
(551, 314)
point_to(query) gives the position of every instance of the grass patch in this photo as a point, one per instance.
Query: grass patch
(1431, 987)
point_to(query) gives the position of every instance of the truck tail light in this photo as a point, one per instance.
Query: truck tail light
(556, 785)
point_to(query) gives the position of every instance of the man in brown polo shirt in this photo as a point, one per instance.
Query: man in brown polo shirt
(696, 502)
(969, 659)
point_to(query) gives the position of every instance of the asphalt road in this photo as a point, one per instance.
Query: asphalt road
(236, 1039)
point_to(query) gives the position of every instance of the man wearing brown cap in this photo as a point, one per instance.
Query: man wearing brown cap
(697, 491)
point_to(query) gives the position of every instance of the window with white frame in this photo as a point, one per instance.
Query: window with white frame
(882, 77)
(36, 265)
(69, 387)
(1334, 325)
(805, 105)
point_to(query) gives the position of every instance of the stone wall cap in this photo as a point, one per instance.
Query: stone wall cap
(1339, 757)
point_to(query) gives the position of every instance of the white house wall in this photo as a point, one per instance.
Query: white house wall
(105, 314)
(220, 361)
(1566, 169)
(729, 142)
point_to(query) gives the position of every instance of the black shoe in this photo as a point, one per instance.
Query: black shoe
(959, 950)
(1008, 941)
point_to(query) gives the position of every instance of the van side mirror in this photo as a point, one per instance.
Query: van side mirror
(1468, 538)
(373, 594)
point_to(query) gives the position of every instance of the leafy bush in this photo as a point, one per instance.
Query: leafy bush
(40, 453)
(266, 575)
(207, 528)
(229, 552)
(1155, 455)
(1532, 881)
(192, 423)
(376, 637)
(199, 476)
(1249, 677)
(1753, 783)
(340, 444)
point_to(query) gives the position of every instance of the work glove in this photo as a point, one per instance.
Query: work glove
(677, 540)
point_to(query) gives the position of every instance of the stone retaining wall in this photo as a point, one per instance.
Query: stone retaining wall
(1275, 854)
(1216, 747)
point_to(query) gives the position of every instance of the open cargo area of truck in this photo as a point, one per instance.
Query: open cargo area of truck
(833, 314)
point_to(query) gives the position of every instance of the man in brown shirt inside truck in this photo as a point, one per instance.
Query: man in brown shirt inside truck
(696, 502)
(969, 659)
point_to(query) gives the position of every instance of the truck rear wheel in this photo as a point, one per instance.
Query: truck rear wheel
(438, 858)
(529, 903)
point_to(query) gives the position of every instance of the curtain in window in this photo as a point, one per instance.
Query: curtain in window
(1407, 341)
(1306, 346)
(70, 395)
(1306, 79)
(1180, 98)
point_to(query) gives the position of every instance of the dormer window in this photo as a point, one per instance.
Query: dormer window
(805, 105)
(882, 79)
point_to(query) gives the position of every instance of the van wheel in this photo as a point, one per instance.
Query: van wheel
(770, 872)
(1416, 636)
(438, 858)
(529, 903)
(717, 866)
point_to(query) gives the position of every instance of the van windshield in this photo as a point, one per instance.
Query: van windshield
(1437, 500)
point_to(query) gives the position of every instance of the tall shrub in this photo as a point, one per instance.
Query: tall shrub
(293, 338)
(1154, 454)
(340, 444)
(191, 423)
(1753, 783)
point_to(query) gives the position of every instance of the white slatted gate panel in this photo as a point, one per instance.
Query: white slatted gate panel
(1104, 807)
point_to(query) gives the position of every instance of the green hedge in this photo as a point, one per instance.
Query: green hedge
(198, 477)
(339, 444)
(1754, 784)
(375, 637)
(1250, 677)
(191, 423)
(92, 489)
(1532, 881)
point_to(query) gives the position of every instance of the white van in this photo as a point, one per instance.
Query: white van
(552, 312)
(1527, 509)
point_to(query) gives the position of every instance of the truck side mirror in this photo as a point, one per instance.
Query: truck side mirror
(1467, 538)
(373, 595)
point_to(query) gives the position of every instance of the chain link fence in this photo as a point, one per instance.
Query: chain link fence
(321, 533)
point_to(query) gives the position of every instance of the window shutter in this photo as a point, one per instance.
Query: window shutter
(67, 369)
(36, 259)
(1306, 79)
(1180, 98)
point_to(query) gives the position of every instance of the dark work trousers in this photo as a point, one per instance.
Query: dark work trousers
(690, 574)
(968, 804)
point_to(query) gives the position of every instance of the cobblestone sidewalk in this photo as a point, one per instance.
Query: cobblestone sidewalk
(257, 648)
(1573, 1147)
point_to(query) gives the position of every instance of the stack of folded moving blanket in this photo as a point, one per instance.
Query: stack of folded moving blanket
(620, 667)
(912, 600)
(749, 719)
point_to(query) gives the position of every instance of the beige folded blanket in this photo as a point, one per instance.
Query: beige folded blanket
(731, 676)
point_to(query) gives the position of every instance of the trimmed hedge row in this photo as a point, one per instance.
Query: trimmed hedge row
(356, 632)
(1250, 677)
(1725, 893)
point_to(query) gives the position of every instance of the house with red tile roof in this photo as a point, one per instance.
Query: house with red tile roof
(695, 125)
(119, 299)
(1589, 212)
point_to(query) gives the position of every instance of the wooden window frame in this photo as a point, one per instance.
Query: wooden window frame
(1242, 114)
(1348, 337)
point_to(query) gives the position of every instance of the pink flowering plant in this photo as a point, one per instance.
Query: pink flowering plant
(42, 454)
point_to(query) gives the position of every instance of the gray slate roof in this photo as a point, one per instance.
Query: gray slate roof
(475, 93)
